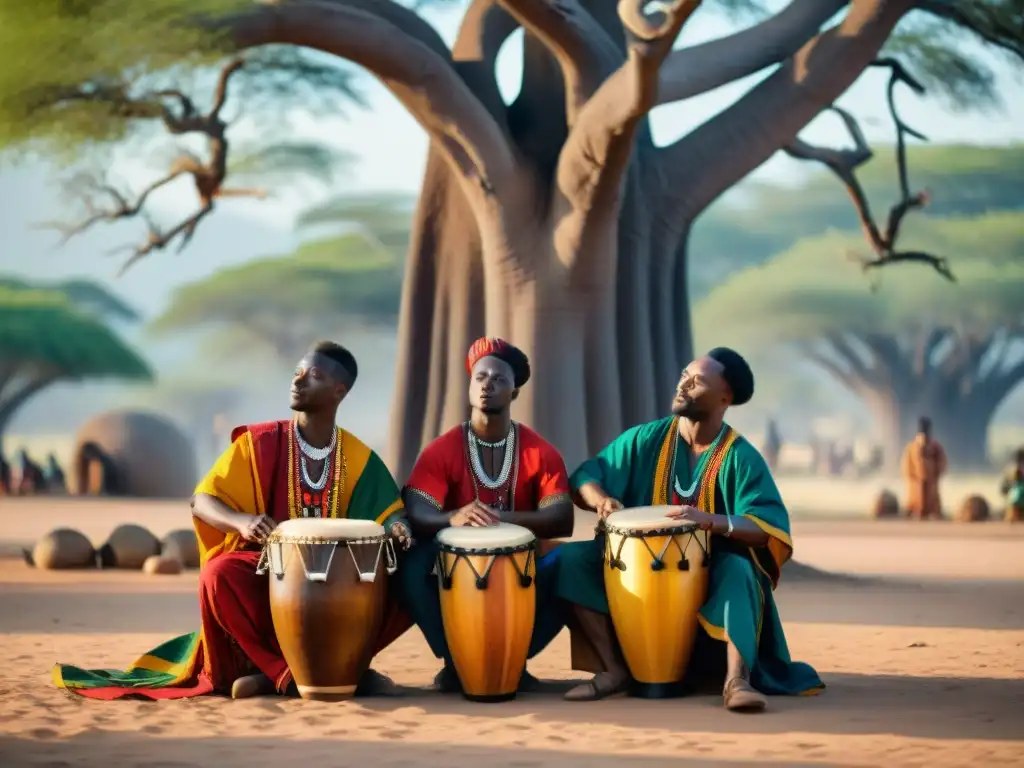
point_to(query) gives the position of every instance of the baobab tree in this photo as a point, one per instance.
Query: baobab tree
(555, 221)
(910, 347)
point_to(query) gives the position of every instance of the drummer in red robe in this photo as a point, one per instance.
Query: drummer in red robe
(486, 470)
(273, 471)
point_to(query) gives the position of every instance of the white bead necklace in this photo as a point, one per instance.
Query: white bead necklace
(506, 466)
(315, 454)
(319, 484)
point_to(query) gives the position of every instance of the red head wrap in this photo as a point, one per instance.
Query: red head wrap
(491, 346)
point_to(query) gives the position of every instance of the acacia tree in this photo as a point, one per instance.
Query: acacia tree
(281, 304)
(45, 339)
(914, 346)
(554, 220)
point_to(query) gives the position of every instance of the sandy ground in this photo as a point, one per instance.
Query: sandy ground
(923, 653)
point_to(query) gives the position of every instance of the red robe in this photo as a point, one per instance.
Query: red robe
(237, 636)
(443, 476)
(235, 602)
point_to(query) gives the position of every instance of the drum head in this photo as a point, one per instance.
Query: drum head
(640, 519)
(332, 529)
(497, 536)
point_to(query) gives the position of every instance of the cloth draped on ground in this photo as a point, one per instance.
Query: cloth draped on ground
(237, 635)
(649, 465)
(442, 477)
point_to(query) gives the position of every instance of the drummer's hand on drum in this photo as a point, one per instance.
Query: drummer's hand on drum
(475, 515)
(256, 528)
(606, 506)
(402, 535)
(693, 515)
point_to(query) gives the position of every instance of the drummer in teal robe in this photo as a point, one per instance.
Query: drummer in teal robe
(694, 461)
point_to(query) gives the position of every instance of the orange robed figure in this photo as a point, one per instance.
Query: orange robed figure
(922, 466)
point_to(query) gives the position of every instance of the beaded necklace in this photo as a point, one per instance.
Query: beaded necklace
(307, 501)
(504, 484)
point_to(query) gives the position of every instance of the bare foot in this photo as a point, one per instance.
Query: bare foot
(252, 685)
(373, 683)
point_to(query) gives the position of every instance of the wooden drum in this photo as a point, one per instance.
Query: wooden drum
(327, 599)
(656, 582)
(488, 605)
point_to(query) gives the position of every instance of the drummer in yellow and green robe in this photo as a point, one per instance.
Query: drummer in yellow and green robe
(695, 462)
(262, 479)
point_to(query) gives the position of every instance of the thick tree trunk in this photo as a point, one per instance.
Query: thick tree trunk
(441, 314)
(605, 352)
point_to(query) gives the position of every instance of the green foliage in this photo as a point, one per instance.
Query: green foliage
(41, 331)
(964, 180)
(292, 300)
(61, 55)
(814, 289)
(385, 218)
(291, 160)
(83, 294)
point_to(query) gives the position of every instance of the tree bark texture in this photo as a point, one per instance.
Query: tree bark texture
(554, 221)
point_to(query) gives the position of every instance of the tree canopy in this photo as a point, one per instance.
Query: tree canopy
(813, 289)
(45, 339)
(83, 294)
(913, 343)
(963, 179)
(289, 301)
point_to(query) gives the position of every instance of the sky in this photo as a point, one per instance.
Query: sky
(391, 149)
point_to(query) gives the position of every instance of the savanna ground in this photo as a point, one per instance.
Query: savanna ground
(921, 643)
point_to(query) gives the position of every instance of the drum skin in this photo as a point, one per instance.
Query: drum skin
(488, 630)
(655, 611)
(327, 630)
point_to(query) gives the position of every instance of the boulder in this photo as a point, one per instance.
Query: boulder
(182, 546)
(158, 565)
(62, 548)
(886, 505)
(973, 509)
(128, 547)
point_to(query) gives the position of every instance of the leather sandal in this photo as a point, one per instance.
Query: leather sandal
(739, 695)
(601, 686)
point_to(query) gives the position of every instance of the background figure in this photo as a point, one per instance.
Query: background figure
(27, 479)
(922, 466)
(772, 444)
(1012, 487)
(5, 477)
(53, 476)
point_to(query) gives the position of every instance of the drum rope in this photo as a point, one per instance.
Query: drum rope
(383, 543)
(657, 560)
(482, 580)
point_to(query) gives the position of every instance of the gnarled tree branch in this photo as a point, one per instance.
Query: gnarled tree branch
(742, 137)
(585, 53)
(844, 164)
(701, 68)
(421, 78)
(207, 176)
(593, 160)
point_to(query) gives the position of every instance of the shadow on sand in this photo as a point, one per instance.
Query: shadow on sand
(918, 707)
(838, 599)
(108, 748)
